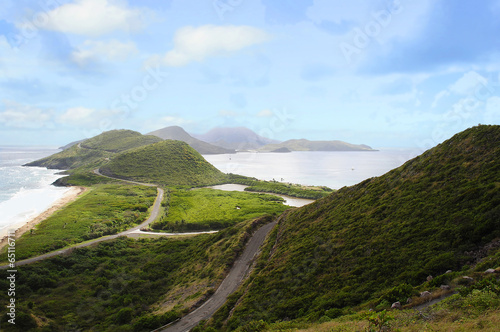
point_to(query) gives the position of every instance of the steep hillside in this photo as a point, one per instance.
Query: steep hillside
(306, 145)
(435, 213)
(238, 138)
(179, 134)
(96, 150)
(167, 162)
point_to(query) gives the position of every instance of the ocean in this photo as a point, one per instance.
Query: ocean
(334, 169)
(25, 192)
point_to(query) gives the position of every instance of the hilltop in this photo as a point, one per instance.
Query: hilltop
(307, 145)
(167, 162)
(376, 240)
(237, 138)
(96, 150)
(179, 134)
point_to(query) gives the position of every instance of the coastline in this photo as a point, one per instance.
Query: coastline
(72, 194)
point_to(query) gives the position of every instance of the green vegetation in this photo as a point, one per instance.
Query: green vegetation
(166, 163)
(436, 212)
(104, 210)
(118, 140)
(475, 307)
(95, 151)
(124, 284)
(289, 189)
(207, 209)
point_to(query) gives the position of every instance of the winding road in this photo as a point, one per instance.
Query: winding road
(135, 230)
(233, 280)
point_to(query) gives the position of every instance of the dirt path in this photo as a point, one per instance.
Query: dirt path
(233, 280)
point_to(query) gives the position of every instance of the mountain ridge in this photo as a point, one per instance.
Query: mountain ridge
(179, 134)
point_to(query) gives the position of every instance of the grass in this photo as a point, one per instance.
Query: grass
(103, 210)
(435, 213)
(289, 189)
(206, 209)
(123, 284)
(167, 163)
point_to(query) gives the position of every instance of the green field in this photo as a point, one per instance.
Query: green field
(289, 189)
(207, 209)
(124, 284)
(104, 210)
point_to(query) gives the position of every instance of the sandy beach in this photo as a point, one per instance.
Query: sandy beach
(68, 197)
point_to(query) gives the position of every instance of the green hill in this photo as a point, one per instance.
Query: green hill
(96, 150)
(307, 145)
(118, 141)
(168, 162)
(435, 213)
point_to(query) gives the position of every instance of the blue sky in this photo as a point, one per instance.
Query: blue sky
(392, 73)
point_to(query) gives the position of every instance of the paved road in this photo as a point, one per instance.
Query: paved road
(152, 217)
(233, 280)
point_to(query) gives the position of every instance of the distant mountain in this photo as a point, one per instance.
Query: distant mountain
(179, 134)
(306, 145)
(377, 240)
(169, 162)
(237, 138)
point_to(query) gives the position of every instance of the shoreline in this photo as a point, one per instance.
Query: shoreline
(72, 194)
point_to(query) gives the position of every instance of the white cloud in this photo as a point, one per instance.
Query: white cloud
(94, 17)
(18, 115)
(265, 114)
(492, 111)
(112, 50)
(196, 44)
(228, 113)
(84, 117)
(468, 83)
(77, 115)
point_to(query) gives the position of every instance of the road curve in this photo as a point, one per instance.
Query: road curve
(152, 217)
(233, 280)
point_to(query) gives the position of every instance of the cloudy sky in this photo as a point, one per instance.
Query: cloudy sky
(400, 73)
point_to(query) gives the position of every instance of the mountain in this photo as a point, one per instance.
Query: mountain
(376, 240)
(306, 145)
(237, 138)
(179, 134)
(167, 162)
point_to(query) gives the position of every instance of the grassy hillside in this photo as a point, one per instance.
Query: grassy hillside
(118, 141)
(166, 163)
(377, 239)
(124, 284)
(95, 151)
(306, 145)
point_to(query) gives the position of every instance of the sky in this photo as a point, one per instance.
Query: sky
(391, 73)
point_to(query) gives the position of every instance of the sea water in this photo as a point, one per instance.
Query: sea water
(334, 169)
(25, 192)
